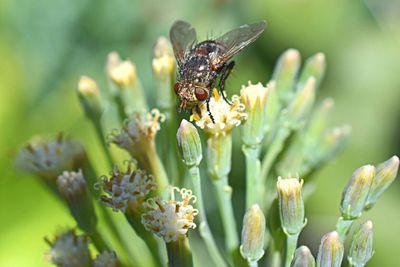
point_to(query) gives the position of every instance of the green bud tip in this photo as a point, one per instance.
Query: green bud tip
(291, 205)
(361, 249)
(386, 173)
(189, 144)
(253, 234)
(330, 253)
(356, 192)
(303, 258)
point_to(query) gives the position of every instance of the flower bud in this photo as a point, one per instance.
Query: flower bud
(164, 72)
(356, 192)
(385, 173)
(302, 103)
(127, 87)
(106, 259)
(285, 73)
(330, 252)
(89, 96)
(164, 60)
(291, 205)
(314, 67)
(254, 97)
(361, 249)
(72, 187)
(273, 107)
(253, 234)
(69, 249)
(303, 258)
(189, 144)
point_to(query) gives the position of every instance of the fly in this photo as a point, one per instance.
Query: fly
(201, 64)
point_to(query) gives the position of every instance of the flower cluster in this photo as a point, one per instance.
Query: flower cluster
(69, 249)
(49, 158)
(138, 130)
(126, 189)
(171, 219)
(225, 116)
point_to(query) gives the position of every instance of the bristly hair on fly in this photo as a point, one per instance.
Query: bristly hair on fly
(204, 65)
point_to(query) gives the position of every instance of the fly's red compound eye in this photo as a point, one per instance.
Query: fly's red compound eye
(177, 88)
(201, 94)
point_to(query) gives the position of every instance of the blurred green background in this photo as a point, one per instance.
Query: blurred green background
(45, 45)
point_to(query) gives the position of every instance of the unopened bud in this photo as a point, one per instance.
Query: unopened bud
(285, 73)
(127, 87)
(314, 67)
(254, 97)
(385, 173)
(330, 252)
(303, 258)
(302, 103)
(291, 205)
(361, 249)
(164, 60)
(253, 234)
(189, 144)
(89, 96)
(72, 187)
(356, 192)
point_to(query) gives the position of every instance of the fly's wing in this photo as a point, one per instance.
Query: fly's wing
(183, 37)
(239, 38)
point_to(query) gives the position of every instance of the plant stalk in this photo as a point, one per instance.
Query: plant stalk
(254, 186)
(204, 228)
(291, 244)
(179, 254)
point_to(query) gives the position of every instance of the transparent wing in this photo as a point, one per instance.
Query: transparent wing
(183, 37)
(239, 38)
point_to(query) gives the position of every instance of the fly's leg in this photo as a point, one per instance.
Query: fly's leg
(225, 71)
(209, 110)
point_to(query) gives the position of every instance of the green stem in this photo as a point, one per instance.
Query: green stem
(343, 227)
(98, 241)
(204, 228)
(273, 151)
(223, 193)
(254, 187)
(274, 256)
(157, 168)
(146, 236)
(90, 176)
(291, 244)
(179, 254)
(253, 264)
(120, 107)
(102, 138)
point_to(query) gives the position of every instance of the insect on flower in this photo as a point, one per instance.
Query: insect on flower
(201, 64)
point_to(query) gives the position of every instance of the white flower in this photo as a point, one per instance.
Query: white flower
(138, 131)
(49, 158)
(225, 116)
(106, 259)
(69, 250)
(129, 188)
(171, 219)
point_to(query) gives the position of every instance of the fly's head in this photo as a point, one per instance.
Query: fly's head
(190, 94)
